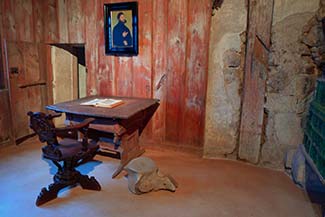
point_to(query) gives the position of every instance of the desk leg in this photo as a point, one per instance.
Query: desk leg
(130, 150)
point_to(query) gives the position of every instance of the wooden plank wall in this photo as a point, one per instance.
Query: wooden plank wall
(171, 65)
(256, 66)
(5, 120)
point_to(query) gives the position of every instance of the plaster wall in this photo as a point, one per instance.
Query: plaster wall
(226, 57)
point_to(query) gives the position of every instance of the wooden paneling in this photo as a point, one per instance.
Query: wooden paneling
(171, 65)
(6, 136)
(142, 64)
(5, 119)
(31, 66)
(159, 68)
(251, 129)
(62, 13)
(38, 24)
(76, 21)
(91, 46)
(8, 21)
(176, 66)
(196, 76)
(105, 71)
(264, 24)
(24, 20)
(26, 92)
(50, 17)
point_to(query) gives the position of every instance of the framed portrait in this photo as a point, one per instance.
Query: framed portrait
(121, 29)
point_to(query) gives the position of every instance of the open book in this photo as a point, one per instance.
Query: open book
(106, 103)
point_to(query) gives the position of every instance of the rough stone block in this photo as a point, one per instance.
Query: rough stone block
(288, 128)
(280, 103)
(311, 38)
(305, 84)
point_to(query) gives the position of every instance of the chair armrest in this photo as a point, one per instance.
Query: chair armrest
(74, 128)
(53, 115)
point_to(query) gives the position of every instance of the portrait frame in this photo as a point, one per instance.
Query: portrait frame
(121, 33)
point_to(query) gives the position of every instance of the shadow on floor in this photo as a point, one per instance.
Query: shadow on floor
(83, 168)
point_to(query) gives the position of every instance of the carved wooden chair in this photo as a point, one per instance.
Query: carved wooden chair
(65, 151)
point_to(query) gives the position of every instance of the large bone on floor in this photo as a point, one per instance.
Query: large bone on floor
(144, 176)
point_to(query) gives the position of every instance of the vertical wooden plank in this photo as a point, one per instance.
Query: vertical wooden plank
(105, 63)
(256, 65)
(9, 22)
(264, 24)
(5, 120)
(142, 67)
(38, 25)
(31, 72)
(142, 64)
(76, 21)
(2, 56)
(196, 72)
(159, 67)
(16, 60)
(5, 111)
(43, 64)
(24, 20)
(62, 17)
(74, 75)
(91, 46)
(51, 30)
(23, 56)
(176, 49)
(122, 71)
(49, 73)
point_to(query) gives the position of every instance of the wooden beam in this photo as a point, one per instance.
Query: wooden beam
(256, 65)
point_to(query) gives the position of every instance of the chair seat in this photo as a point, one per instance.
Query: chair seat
(69, 148)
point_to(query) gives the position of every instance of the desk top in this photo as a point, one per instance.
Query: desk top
(130, 107)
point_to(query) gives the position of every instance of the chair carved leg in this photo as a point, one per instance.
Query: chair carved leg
(49, 194)
(89, 183)
(67, 176)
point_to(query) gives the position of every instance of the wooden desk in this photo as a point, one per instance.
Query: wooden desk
(121, 125)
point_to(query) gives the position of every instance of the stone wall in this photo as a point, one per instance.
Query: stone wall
(226, 58)
(291, 78)
(296, 55)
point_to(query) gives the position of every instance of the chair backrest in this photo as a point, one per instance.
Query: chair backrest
(43, 126)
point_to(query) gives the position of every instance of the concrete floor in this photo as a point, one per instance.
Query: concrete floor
(211, 188)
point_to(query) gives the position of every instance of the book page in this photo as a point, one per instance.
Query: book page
(107, 103)
(91, 102)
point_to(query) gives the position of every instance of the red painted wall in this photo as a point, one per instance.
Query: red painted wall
(171, 65)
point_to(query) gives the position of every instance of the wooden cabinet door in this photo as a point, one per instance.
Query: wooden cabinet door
(27, 84)
(64, 78)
